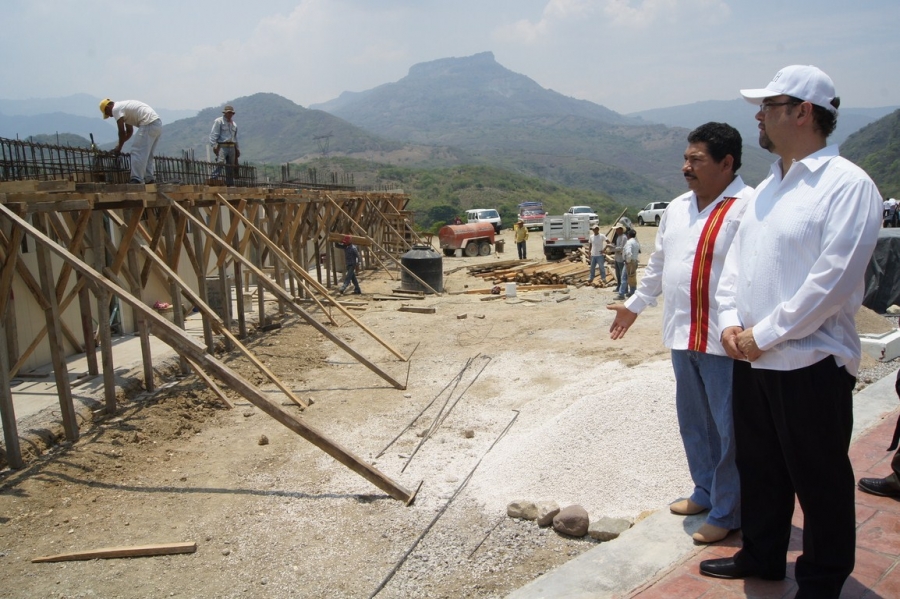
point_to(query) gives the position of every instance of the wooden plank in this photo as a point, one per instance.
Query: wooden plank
(357, 240)
(418, 309)
(115, 552)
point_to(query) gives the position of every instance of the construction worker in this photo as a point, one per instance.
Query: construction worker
(224, 140)
(521, 233)
(130, 114)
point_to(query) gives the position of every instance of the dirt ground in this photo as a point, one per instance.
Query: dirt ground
(274, 516)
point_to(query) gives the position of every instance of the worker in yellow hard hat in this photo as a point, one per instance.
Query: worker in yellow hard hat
(130, 114)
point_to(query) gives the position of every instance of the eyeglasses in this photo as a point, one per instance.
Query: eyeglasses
(766, 106)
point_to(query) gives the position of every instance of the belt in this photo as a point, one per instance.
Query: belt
(226, 143)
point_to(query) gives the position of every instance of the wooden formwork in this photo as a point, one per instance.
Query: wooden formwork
(95, 243)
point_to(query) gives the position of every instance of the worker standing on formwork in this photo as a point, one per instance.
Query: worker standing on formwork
(130, 114)
(224, 140)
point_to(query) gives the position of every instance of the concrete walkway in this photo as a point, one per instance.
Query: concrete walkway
(658, 559)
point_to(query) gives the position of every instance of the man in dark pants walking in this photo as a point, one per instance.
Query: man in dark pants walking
(351, 260)
(789, 292)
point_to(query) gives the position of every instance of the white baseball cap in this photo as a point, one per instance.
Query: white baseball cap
(808, 83)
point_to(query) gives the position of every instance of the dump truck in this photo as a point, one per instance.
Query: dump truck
(474, 239)
(564, 234)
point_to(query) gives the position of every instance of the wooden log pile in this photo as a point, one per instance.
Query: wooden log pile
(573, 270)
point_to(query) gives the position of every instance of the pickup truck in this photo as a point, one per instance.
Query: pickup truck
(564, 234)
(532, 214)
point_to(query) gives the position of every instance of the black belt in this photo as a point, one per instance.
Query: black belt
(226, 143)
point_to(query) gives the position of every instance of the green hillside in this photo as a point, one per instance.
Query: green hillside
(876, 148)
(439, 194)
(273, 129)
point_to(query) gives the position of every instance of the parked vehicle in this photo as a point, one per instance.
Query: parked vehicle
(592, 216)
(652, 213)
(484, 215)
(532, 214)
(564, 234)
(474, 239)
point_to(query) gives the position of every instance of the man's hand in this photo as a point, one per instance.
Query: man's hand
(729, 341)
(216, 150)
(622, 322)
(747, 345)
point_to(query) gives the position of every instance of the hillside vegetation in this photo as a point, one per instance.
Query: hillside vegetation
(437, 195)
(876, 148)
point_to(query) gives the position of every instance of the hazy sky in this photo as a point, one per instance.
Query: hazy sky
(627, 55)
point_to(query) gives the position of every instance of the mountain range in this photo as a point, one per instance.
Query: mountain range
(454, 111)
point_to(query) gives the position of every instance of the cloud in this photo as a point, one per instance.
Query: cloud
(610, 15)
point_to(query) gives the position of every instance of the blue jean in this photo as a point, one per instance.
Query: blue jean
(628, 279)
(598, 261)
(350, 277)
(703, 400)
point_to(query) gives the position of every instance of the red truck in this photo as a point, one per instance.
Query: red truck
(474, 239)
(532, 214)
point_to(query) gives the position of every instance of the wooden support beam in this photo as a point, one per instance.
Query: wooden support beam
(191, 349)
(7, 410)
(51, 314)
(210, 383)
(281, 294)
(301, 272)
(208, 311)
(104, 329)
(397, 262)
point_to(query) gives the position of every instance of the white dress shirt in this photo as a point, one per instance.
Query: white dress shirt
(690, 308)
(795, 270)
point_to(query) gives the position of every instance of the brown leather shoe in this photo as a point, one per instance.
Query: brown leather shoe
(686, 507)
(710, 533)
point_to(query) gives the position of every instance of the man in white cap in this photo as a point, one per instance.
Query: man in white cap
(224, 141)
(789, 291)
(131, 114)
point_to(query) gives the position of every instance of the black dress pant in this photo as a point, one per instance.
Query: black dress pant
(792, 431)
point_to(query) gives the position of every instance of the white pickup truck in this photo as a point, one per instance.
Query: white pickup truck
(565, 233)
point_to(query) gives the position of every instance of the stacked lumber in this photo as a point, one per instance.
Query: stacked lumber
(574, 270)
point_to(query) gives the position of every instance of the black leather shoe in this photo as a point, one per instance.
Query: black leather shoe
(879, 486)
(727, 567)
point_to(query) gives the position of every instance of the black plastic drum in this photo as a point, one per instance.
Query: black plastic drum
(427, 264)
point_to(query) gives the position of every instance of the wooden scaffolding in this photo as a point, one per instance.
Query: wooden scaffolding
(101, 252)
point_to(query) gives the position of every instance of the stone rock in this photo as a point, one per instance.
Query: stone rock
(469, 433)
(263, 440)
(895, 309)
(572, 520)
(607, 529)
(546, 511)
(527, 510)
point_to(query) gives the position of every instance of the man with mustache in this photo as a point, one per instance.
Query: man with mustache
(789, 292)
(693, 238)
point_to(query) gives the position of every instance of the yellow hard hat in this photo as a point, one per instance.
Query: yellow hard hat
(103, 104)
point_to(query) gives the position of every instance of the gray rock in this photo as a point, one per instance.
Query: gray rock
(572, 520)
(527, 510)
(607, 529)
(263, 440)
(546, 511)
(469, 433)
